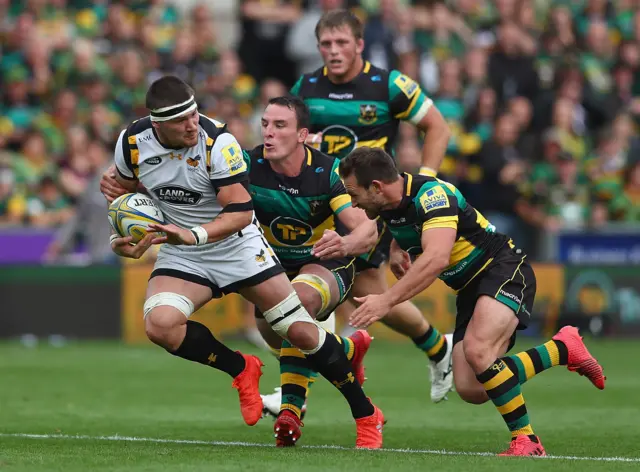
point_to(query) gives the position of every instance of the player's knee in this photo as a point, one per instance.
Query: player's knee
(314, 293)
(479, 354)
(164, 313)
(303, 335)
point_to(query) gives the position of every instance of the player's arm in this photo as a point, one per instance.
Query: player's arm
(408, 102)
(120, 177)
(437, 209)
(363, 233)
(437, 244)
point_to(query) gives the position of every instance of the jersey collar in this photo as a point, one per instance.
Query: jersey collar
(365, 69)
(406, 190)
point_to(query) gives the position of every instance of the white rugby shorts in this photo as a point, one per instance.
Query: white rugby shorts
(241, 260)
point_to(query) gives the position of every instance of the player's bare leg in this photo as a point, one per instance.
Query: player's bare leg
(170, 303)
(405, 318)
(282, 308)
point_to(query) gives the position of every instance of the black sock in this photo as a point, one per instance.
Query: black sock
(332, 363)
(199, 345)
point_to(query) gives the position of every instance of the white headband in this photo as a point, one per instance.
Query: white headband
(173, 111)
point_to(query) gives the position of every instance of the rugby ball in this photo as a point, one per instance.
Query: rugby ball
(132, 213)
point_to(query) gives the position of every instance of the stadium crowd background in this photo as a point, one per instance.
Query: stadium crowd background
(542, 96)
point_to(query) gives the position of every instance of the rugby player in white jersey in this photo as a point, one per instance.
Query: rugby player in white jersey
(194, 171)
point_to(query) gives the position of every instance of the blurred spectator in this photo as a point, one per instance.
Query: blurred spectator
(556, 196)
(503, 169)
(48, 207)
(265, 25)
(624, 206)
(301, 42)
(12, 204)
(511, 67)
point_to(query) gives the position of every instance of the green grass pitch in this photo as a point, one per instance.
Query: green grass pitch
(105, 406)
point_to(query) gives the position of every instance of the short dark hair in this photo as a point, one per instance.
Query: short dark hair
(297, 105)
(166, 91)
(369, 164)
(336, 19)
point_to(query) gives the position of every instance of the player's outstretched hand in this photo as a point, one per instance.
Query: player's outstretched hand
(399, 263)
(124, 248)
(109, 186)
(372, 309)
(173, 235)
(330, 246)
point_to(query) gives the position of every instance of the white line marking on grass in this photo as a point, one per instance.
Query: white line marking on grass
(251, 444)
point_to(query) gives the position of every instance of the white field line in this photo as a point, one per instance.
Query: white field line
(251, 444)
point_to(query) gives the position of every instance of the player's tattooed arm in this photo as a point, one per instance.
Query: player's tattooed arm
(437, 244)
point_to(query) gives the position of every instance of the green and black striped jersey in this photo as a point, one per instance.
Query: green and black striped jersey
(428, 203)
(363, 112)
(294, 211)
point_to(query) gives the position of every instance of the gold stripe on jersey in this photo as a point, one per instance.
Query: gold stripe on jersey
(408, 111)
(441, 222)
(461, 249)
(135, 154)
(481, 220)
(338, 202)
(309, 157)
(374, 143)
(367, 67)
(409, 183)
(209, 148)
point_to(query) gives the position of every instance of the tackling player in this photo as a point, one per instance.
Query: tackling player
(432, 222)
(352, 104)
(298, 195)
(194, 171)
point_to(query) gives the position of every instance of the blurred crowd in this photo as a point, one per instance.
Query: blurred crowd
(542, 96)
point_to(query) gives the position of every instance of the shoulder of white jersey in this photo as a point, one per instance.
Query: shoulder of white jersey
(129, 142)
(213, 128)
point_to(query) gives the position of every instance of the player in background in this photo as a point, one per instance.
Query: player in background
(352, 104)
(298, 196)
(433, 223)
(194, 171)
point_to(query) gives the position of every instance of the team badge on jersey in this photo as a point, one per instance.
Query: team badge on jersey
(193, 162)
(368, 114)
(434, 199)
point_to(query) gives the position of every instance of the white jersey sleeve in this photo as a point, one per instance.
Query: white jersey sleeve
(227, 162)
(123, 165)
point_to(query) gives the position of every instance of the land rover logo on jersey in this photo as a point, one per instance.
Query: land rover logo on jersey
(153, 161)
(177, 195)
(368, 114)
(290, 232)
(338, 141)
